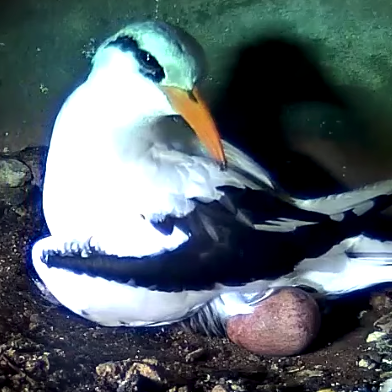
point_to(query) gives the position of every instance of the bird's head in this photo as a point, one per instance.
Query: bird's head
(164, 65)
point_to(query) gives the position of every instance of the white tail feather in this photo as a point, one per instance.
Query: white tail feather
(354, 264)
(360, 199)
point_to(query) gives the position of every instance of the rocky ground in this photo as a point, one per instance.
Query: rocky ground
(44, 348)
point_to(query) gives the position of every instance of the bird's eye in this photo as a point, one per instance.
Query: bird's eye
(149, 66)
(146, 60)
(145, 57)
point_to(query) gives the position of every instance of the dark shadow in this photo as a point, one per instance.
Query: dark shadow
(270, 75)
(340, 317)
(343, 315)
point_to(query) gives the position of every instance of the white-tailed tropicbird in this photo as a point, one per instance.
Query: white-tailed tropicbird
(149, 223)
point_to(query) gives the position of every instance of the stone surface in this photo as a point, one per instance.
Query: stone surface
(15, 182)
(35, 159)
(128, 375)
(283, 324)
(20, 172)
(13, 173)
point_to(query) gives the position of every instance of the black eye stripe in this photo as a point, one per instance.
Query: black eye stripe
(149, 66)
(125, 43)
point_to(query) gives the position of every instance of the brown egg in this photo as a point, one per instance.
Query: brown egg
(284, 324)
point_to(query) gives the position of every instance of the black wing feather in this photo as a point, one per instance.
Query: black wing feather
(234, 255)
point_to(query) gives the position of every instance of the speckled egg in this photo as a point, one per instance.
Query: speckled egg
(282, 325)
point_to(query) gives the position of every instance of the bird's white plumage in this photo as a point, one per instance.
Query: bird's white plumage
(112, 167)
(105, 151)
(110, 303)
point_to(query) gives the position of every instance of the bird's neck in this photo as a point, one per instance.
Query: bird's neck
(126, 92)
(129, 108)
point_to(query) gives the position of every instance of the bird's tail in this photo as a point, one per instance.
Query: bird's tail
(373, 258)
(206, 321)
(355, 264)
(373, 197)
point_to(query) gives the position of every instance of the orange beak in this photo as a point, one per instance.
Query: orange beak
(193, 109)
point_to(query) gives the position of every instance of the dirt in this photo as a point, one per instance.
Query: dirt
(46, 348)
